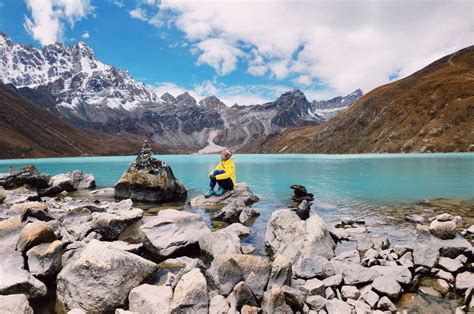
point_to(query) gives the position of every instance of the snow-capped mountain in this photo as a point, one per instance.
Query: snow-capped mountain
(74, 85)
(72, 74)
(330, 108)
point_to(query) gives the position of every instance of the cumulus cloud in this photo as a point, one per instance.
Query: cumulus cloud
(142, 14)
(48, 17)
(86, 35)
(344, 44)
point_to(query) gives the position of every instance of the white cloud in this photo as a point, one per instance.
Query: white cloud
(304, 80)
(219, 54)
(48, 17)
(86, 35)
(139, 14)
(344, 44)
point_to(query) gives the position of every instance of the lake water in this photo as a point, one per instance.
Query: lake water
(362, 186)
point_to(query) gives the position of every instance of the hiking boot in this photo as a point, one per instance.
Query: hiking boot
(209, 193)
(220, 191)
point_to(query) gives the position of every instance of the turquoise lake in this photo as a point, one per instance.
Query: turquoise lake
(362, 186)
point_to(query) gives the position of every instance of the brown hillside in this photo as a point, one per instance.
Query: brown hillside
(431, 110)
(28, 131)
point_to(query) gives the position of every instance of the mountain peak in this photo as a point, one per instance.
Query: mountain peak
(168, 98)
(186, 99)
(212, 102)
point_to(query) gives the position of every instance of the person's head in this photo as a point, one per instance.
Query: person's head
(226, 154)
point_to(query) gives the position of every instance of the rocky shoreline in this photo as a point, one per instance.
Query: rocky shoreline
(99, 255)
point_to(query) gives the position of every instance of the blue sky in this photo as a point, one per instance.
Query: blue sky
(250, 51)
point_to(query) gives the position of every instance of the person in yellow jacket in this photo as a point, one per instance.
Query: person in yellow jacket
(222, 175)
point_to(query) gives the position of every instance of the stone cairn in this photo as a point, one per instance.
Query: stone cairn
(302, 200)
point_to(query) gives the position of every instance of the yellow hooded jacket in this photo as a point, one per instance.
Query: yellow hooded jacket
(229, 167)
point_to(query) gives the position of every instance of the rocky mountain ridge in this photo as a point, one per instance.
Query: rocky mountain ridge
(71, 83)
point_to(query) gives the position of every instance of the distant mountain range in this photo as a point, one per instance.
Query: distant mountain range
(431, 110)
(73, 85)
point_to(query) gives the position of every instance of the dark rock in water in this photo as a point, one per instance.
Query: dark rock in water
(149, 180)
(27, 175)
(300, 194)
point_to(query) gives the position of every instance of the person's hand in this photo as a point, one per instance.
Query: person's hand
(211, 177)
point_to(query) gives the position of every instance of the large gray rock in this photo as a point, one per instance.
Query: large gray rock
(190, 294)
(443, 229)
(226, 240)
(27, 175)
(45, 259)
(336, 306)
(401, 274)
(9, 233)
(308, 267)
(14, 279)
(314, 287)
(101, 277)
(3, 195)
(465, 280)
(76, 224)
(450, 264)
(172, 232)
(113, 222)
(149, 180)
(241, 193)
(242, 295)
(229, 269)
(15, 304)
(425, 254)
(236, 211)
(295, 298)
(356, 274)
(74, 180)
(453, 247)
(281, 272)
(288, 235)
(274, 301)
(218, 305)
(387, 286)
(149, 299)
(33, 234)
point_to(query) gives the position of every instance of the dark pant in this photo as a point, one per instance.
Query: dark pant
(226, 184)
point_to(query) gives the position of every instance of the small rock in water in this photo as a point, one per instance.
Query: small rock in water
(444, 217)
(443, 229)
(387, 286)
(415, 218)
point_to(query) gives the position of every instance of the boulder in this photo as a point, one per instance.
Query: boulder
(226, 240)
(172, 232)
(229, 269)
(15, 303)
(333, 281)
(101, 277)
(356, 274)
(190, 294)
(243, 296)
(371, 298)
(76, 224)
(281, 272)
(425, 254)
(387, 286)
(295, 298)
(336, 306)
(241, 193)
(74, 180)
(9, 233)
(287, 234)
(308, 267)
(149, 299)
(274, 301)
(453, 247)
(45, 259)
(314, 287)
(443, 229)
(236, 211)
(218, 305)
(3, 195)
(33, 234)
(450, 264)
(27, 175)
(385, 304)
(350, 292)
(150, 180)
(316, 302)
(14, 279)
(111, 223)
(464, 280)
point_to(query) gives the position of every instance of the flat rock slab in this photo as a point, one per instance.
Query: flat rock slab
(172, 232)
(241, 193)
(15, 303)
(101, 277)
